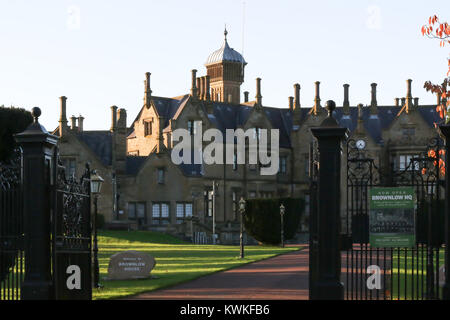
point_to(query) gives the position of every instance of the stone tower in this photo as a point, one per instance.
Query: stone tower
(225, 68)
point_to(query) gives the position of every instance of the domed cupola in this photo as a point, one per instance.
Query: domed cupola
(225, 67)
(225, 53)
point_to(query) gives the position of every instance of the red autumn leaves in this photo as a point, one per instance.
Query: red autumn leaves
(439, 30)
(432, 154)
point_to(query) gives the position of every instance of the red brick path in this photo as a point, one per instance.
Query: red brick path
(284, 277)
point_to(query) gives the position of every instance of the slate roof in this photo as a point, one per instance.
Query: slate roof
(133, 164)
(374, 124)
(231, 116)
(100, 142)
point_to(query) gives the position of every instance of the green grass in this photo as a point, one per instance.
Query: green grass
(176, 261)
(412, 274)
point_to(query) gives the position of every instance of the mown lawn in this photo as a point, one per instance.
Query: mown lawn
(409, 273)
(176, 261)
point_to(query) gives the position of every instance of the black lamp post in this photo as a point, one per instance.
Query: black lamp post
(282, 210)
(96, 186)
(241, 236)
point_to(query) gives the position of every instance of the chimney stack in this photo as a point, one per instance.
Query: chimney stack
(80, 123)
(148, 91)
(208, 88)
(203, 84)
(397, 102)
(193, 85)
(258, 92)
(317, 108)
(346, 105)
(121, 141)
(291, 103)
(122, 119)
(296, 96)
(113, 118)
(409, 98)
(199, 88)
(246, 96)
(416, 102)
(360, 124)
(373, 103)
(403, 102)
(73, 125)
(63, 117)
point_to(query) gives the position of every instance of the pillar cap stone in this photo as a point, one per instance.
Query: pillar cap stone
(330, 121)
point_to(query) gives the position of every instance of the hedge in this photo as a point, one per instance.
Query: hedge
(12, 121)
(262, 218)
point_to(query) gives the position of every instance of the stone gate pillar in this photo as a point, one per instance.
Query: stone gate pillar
(37, 145)
(445, 134)
(329, 136)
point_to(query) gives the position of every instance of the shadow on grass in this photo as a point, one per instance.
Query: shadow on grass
(176, 261)
(140, 236)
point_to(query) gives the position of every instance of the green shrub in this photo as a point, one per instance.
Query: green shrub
(12, 121)
(262, 218)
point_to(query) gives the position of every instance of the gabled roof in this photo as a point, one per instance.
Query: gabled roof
(133, 164)
(374, 124)
(100, 142)
(165, 107)
(232, 116)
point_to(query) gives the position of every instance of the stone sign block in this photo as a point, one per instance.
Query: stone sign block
(129, 265)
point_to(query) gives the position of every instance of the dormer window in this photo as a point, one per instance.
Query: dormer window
(408, 131)
(407, 162)
(283, 165)
(194, 126)
(148, 127)
(257, 133)
(190, 127)
(160, 173)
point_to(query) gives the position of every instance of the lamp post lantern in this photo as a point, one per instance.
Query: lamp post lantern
(241, 236)
(96, 186)
(282, 210)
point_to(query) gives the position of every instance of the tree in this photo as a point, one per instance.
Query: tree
(263, 222)
(440, 31)
(12, 120)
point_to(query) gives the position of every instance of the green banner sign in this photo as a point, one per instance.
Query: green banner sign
(391, 217)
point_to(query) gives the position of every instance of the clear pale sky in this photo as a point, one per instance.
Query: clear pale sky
(97, 52)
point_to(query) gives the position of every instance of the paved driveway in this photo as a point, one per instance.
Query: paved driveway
(284, 277)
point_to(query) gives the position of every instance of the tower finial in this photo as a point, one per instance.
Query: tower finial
(225, 32)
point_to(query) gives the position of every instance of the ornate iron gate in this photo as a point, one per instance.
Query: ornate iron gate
(11, 229)
(71, 234)
(406, 273)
